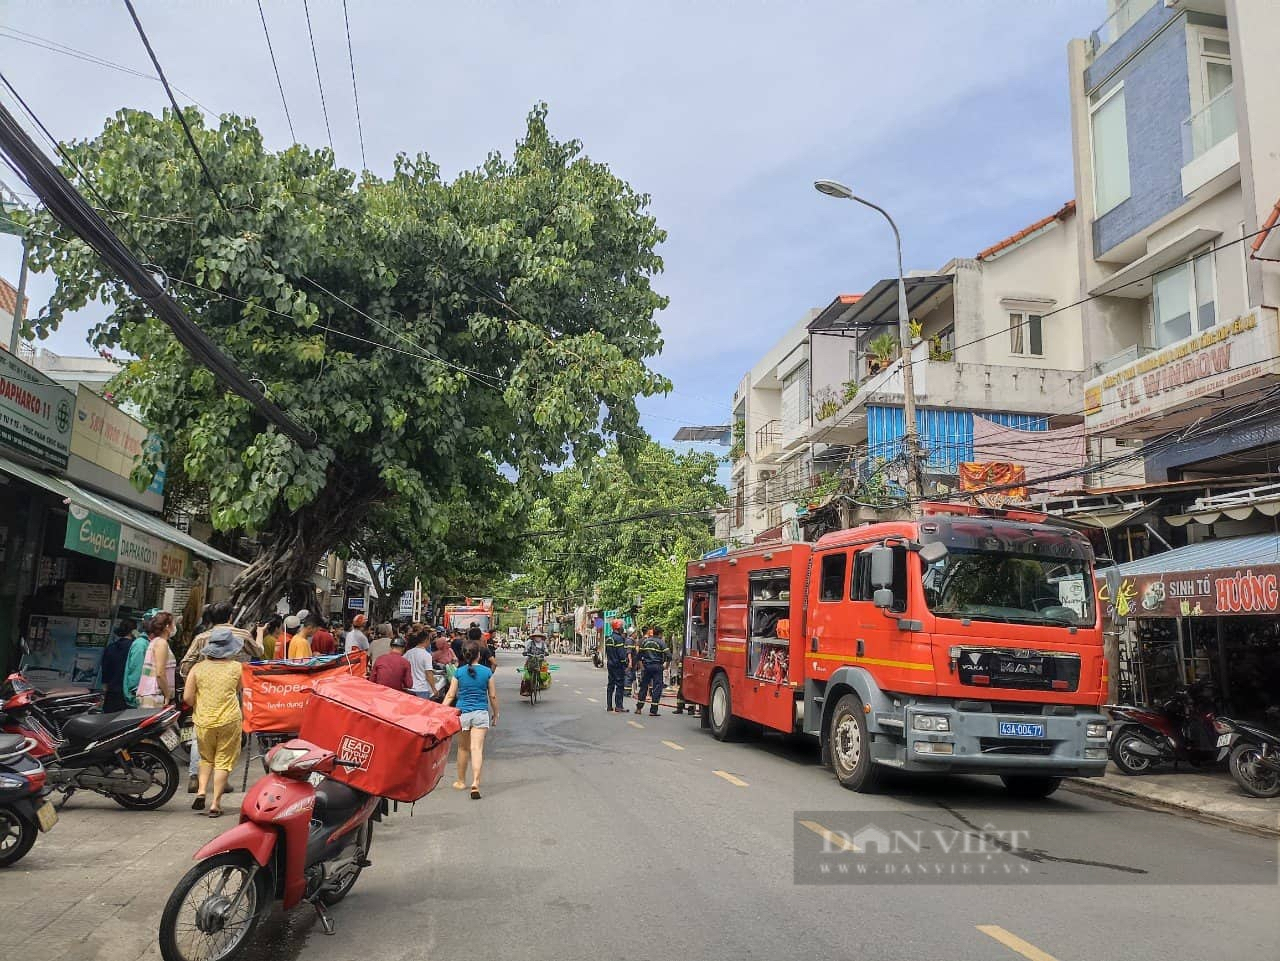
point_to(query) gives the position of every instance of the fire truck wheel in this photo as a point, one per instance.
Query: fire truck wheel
(1030, 785)
(724, 726)
(851, 746)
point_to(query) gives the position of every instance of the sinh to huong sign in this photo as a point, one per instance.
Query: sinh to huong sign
(1224, 356)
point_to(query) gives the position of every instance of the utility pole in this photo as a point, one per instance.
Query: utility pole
(20, 303)
(910, 437)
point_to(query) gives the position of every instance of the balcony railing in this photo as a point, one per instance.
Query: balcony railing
(1208, 126)
(1114, 27)
(1126, 356)
(767, 437)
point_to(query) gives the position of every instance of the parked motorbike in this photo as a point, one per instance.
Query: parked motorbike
(1254, 756)
(596, 658)
(124, 756)
(24, 812)
(1179, 730)
(302, 836)
(58, 703)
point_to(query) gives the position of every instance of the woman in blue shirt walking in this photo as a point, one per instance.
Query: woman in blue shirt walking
(476, 696)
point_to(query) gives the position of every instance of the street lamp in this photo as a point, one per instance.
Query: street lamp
(833, 188)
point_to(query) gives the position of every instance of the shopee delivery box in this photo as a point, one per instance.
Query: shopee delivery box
(398, 742)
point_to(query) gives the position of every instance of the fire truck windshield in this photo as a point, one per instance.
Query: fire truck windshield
(1011, 587)
(464, 621)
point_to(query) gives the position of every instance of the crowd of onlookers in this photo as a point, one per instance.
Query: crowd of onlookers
(141, 669)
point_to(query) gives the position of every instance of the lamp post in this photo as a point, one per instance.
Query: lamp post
(911, 440)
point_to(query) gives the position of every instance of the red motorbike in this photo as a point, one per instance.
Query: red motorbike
(302, 836)
(1182, 729)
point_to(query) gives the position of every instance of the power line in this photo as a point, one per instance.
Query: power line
(176, 109)
(21, 36)
(276, 67)
(355, 94)
(67, 206)
(319, 83)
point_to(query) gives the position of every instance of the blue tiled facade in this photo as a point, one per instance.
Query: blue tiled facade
(945, 435)
(1157, 100)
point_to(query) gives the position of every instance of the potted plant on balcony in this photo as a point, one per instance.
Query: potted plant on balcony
(916, 330)
(826, 403)
(739, 446)
(935, 349)
(880, 353)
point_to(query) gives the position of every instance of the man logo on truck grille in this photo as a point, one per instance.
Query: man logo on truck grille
(355, 750)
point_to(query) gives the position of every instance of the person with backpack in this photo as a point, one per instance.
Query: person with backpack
(133, 664)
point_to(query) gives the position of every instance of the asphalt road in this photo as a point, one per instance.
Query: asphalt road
(604, 836)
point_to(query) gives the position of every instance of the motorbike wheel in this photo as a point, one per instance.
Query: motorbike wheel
(17, 834)
(340, 892)
(1128, 761)
(163, 770)
(1254, 779)
(195, 925)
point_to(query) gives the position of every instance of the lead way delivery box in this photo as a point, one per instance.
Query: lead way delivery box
(398, 742)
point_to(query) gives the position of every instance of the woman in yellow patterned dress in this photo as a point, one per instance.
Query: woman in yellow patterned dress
(213, 690)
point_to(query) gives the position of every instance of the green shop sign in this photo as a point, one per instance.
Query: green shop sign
(92, 534)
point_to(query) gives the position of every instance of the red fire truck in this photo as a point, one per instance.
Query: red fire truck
(965, 641)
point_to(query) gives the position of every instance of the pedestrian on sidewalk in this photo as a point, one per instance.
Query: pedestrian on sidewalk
(392, 669)
(159, 667)
(424, 682)
(654, 655)
(218, 614)
(300, 643)
(270, 637)
(356, 639)
(114, 658)
(137, 654)
(615, 654)
(476, 696)
(322, 641)
(213, 691)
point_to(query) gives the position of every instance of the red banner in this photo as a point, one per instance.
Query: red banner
(275, 692)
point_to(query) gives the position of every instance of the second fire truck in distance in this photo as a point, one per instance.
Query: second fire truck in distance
(964, 641)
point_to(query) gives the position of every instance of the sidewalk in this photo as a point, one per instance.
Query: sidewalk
(1207, 795)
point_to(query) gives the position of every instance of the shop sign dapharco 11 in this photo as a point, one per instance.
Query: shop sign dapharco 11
(35, 413)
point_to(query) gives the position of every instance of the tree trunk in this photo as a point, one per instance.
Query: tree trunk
(289, 552)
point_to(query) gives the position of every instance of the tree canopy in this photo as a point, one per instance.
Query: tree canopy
(437, 336)
(627, 524)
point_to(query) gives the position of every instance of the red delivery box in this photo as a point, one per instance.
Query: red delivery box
(399, 742)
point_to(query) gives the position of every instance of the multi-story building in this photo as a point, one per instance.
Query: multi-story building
(1176, 133)
(998, 360)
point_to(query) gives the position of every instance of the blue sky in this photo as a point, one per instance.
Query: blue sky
(954, 116)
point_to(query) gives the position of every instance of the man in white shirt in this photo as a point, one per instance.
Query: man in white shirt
(419, 658)
(356, 639)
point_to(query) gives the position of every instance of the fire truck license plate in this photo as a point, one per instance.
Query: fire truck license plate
(1020, 729)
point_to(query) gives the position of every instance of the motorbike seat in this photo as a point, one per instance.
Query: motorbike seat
(335, 801)
(95, 727)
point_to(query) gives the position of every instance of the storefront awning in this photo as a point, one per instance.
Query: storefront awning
(1231, 552)
(120, 513)
(1234, 505)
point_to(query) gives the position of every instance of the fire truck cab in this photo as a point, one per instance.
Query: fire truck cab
(959, 642)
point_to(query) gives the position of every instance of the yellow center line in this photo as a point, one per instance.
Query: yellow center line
(673, 745)
(736, 781)
(1015, 943)
(593, 700)
(636, 724)
(577, 692)
(837, 841)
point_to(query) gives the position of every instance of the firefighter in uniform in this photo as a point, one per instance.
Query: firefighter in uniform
(654, 655)
(615, 660)
(633, 663)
